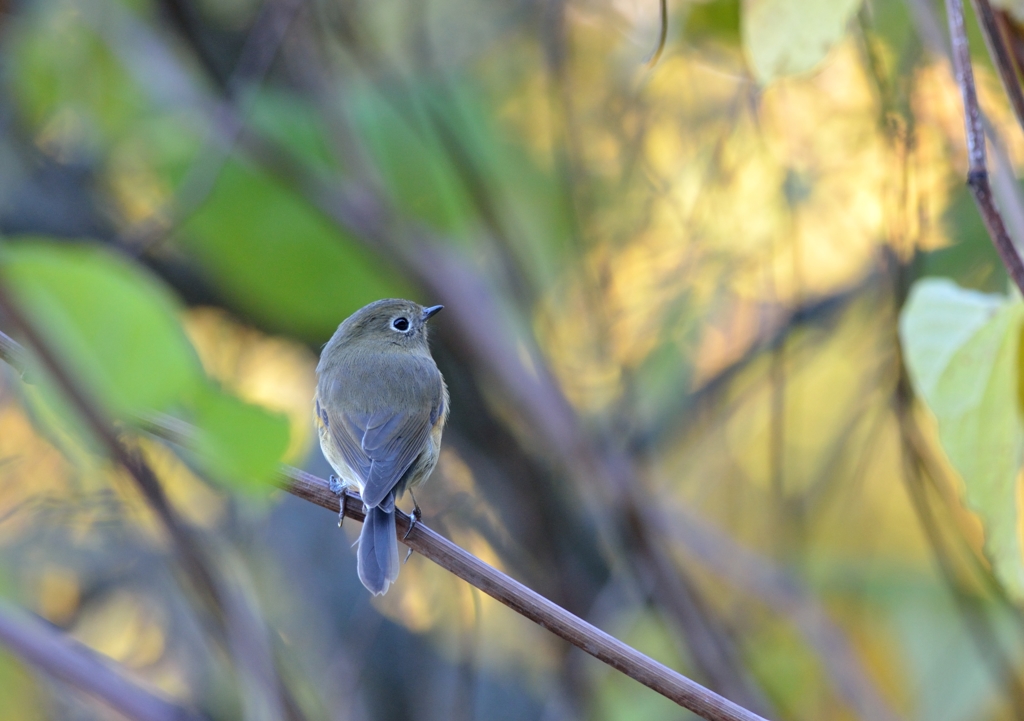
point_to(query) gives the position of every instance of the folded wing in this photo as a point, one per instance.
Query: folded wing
(381, 445)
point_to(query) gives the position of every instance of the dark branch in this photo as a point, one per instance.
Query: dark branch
(991, 23)
(519, 598)
(522, 600)
(1012, 34)
(662, 34)
(977, 173)
(64, 659)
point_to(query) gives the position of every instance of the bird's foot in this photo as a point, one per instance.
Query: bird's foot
(339, 490)
(336, 486)
(414, 518)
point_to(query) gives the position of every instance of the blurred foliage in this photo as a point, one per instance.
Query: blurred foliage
(788, 37)
(962, 351)
(720, 264)
(119, 326)
(132, 355)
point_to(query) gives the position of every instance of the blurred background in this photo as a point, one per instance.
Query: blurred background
(679, 407)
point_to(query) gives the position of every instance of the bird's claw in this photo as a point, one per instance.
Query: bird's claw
(414, 518)
(339, 490)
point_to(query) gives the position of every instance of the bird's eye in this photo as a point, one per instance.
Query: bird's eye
(401, 324)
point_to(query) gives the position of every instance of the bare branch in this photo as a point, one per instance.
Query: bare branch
(662, 34)
(977, 173)
(991, 22)
(531, 605)
(1012, 34)
(65, 659)
(519, 598)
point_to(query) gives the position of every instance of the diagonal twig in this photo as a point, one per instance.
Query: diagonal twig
(143, 476)
(1011, 33)
(662, 34)
(685, 692)
(540, 610)
(63, 658)
(977, 172)
(992, 25)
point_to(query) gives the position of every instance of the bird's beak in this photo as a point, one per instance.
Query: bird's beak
(431, 311)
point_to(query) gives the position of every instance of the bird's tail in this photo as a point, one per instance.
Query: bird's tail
(377, 556)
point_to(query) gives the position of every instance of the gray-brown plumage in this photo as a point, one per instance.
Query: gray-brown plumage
(381, 405)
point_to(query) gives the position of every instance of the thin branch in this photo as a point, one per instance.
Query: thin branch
(531, 605)
(1007, 194)
(468, 294)
(990, 22)
(454, 281)
(519, 598)
(65, 659)
(1012, 34)
(662, 34)
(140, 472)
(725, 558)
(977, 174)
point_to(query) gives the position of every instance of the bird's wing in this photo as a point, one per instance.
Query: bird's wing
(392, 442)
(381, 445)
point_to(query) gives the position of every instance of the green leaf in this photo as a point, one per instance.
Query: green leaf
(293, 122)
(972, 261)
(20, 696)
(66, 73)
(239, 442)
(413, 159)
(439, 148)
(278, 260)
(962, 352)
(111, 323)
(789, 37)
(945, 672)
(718, 19)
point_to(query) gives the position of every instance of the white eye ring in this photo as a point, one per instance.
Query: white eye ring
(401, 324)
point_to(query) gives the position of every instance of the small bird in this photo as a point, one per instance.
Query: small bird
(381, 405)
